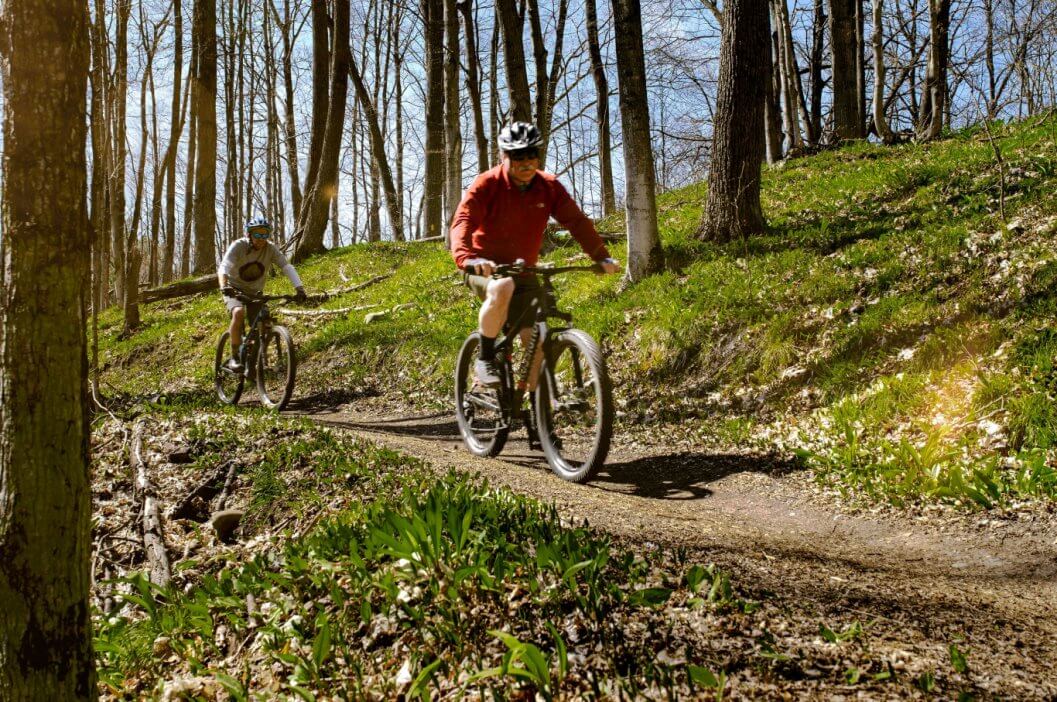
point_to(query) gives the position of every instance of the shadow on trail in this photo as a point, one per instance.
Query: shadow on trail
(684, 476)
(329, 400)
(439, 426)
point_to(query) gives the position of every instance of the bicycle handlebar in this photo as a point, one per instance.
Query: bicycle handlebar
(248, 298)
(504, 270)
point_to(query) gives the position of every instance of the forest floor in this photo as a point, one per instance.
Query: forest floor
(922, 580)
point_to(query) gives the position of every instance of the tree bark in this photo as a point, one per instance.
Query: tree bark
(520, 109)
(119, 151)
(733, 208)
(45, 506)
(320, 99)
(205, 219)
(546, 83)
(169, 165)
(473, 83)
(880, 122)
(452, 121)
(772, 111)
(818, 36)
(598, 73)
(844, 47)
(291, 127)
(432, 211)
(934, 94)
(392, 199)
(644, 244)
(317, 196)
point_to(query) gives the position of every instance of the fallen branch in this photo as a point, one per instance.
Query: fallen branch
(181, 288)
(153, 536)
(359, 286)
(322, 313)
(196, 505)
(229, 485)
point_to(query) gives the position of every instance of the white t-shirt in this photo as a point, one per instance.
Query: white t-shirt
(247, 268)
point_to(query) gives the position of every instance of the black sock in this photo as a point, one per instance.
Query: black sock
(487, 348)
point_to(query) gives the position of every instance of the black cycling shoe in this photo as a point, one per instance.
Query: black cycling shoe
(487, 374)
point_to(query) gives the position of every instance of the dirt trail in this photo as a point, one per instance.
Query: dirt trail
(994, 588)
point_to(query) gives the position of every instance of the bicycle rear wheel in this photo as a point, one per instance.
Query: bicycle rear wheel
(478, 410)
(276, 368)
(574, 406)
(227, 382)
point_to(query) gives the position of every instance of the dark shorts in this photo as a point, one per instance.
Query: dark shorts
(522, 312)
(251, 309)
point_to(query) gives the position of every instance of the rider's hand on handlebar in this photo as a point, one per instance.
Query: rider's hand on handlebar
(301, 295)
(228, 291)
(609, 265)
(479, 266)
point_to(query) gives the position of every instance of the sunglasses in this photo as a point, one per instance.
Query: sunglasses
(524, 154)
(260, 233)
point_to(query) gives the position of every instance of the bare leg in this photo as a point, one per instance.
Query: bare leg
(237, 316)
(496, 304)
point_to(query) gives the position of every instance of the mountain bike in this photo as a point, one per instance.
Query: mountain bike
(571, 412)
(266, 354)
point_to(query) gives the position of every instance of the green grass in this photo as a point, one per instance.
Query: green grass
(462, 585)
(882, 265)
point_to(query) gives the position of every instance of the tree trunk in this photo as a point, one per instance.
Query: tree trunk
(205, 219)
(45, 503)
(101, 159)
(433, 20)
(844, 48)
(772, 111)
(789, 70)
(452, 121)
(99, 217)
(169, 166)
(473, 83)
(493, 95)
(291, 126)
(733, 209)
(320, 100)
(880, 122)
(934, 95)
(317, 196)
(514, 61)
(644, 244)
(398, 78)
(118, 151)
(189, 179)
(598, 73)
(392, 199)
(818, 37)
(546, 83)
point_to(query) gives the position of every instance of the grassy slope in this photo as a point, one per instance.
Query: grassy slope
(894, 328)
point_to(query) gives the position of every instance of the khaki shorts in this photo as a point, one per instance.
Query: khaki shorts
(523, 305)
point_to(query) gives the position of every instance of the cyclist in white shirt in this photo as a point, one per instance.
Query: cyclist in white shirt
(243, 270)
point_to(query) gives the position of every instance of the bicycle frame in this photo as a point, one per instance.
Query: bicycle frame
(546, 308)
(259, 324)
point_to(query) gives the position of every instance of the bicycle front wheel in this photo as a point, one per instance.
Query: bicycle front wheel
(227, 382)
(276, 368)
(574, 406)
(478, 410)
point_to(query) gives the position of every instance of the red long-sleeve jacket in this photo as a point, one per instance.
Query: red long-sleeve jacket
(498, 221)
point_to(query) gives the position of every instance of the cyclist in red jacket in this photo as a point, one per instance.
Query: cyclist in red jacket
(502, 218)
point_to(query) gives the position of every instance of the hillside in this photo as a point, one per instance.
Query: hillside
(832, 472)
(894, 331)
